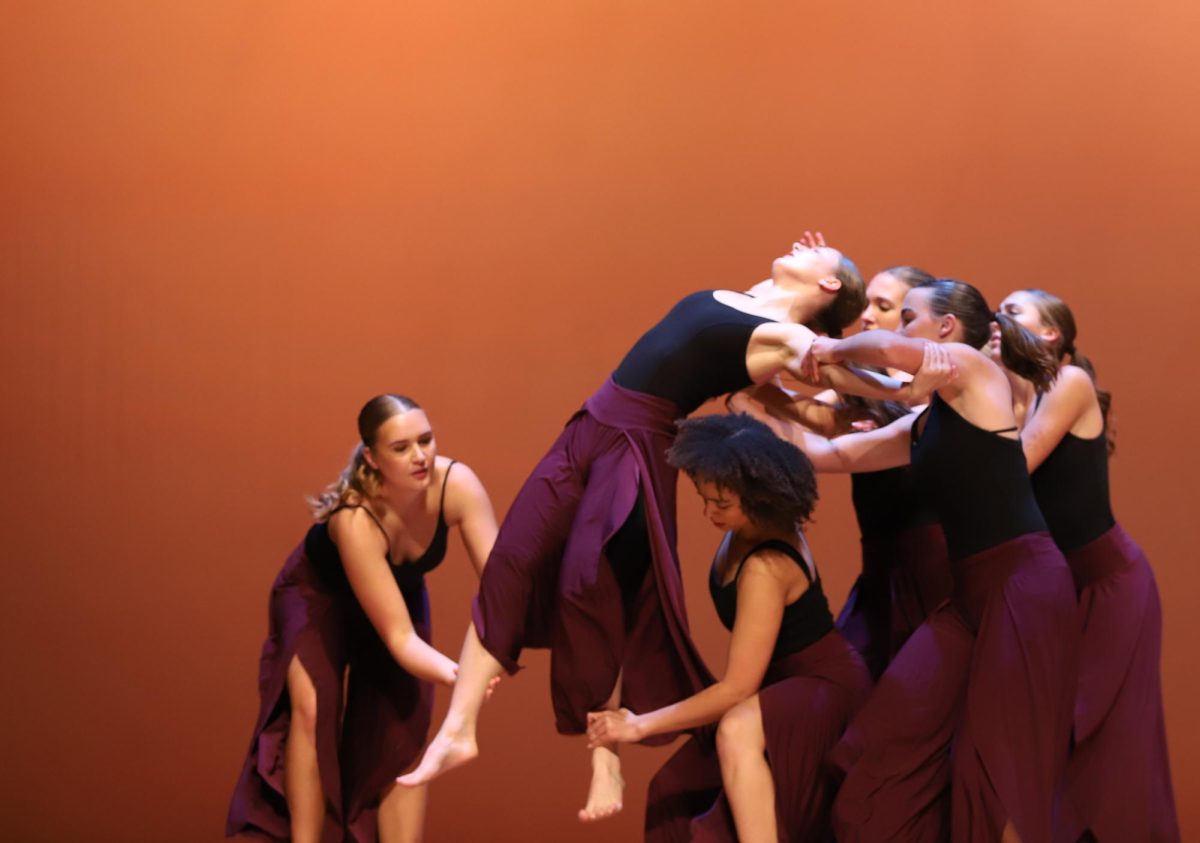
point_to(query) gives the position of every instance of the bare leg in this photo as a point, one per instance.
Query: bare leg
(749, 786)
(402, 815)
(606, 793)
(301, 773)
(454, 744)
(1009, 835)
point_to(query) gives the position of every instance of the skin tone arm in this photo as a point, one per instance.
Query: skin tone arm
(469, 507)
(814, 413)
(874, 450)
(855, 381)
(871, 450)
(761, 593)
(778, 348)
(364, 556)
(884, 349)
(1069, 407)
(978, 390)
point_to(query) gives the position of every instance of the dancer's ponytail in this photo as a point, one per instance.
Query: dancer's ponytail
(1025, 354)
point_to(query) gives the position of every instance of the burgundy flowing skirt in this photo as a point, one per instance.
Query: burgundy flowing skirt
(969, 727)
(548, 581)
(806, 700)
(1118, 781)
(905, 576)
(360, 749)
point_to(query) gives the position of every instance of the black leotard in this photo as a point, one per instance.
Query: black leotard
(1071, 487)
(805, 620)
(975, 479)
(888, 502)
(697, 352)
(323, 553)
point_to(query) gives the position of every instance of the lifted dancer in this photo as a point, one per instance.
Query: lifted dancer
(585, 562)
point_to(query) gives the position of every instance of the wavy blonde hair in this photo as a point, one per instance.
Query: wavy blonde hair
(358, 480)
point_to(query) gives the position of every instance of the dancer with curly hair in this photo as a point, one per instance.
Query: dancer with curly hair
(791, 682)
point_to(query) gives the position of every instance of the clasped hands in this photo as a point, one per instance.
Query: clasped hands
(937, 367)
(609, 727)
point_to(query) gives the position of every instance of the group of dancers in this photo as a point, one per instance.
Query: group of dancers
(994, 674)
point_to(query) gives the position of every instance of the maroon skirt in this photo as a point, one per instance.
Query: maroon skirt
(380, 731)
(969, 727)
(806, 700)
(905, 576)
(548, 582)
(1118, 781)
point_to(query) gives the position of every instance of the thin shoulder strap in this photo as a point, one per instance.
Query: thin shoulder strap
(387, 540)
(776, 544)
(445, 482)
(960, 417)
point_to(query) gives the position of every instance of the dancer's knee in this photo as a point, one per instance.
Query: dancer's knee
(740, 730)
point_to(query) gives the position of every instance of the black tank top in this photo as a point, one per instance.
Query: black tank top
(975, 479)
(888, 502)
(1071, 487)
(805, 620)
(697, 352)
(323, 553)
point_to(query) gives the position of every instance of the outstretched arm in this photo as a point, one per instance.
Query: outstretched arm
(855, 381)
(884, 349)
(814, 413)
(364, 556)
(468, 506)
(761, 591)
(780, 347)
(936, 366)
(874, 450)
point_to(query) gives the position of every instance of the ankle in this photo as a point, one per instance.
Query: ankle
(606, 756)
(458, 728)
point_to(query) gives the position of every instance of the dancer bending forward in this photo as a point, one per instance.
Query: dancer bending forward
(792, 681)
(325, 754)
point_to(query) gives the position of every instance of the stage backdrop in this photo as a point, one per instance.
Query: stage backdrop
(227, 224)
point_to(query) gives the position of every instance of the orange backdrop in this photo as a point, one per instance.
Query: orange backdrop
(226, 224)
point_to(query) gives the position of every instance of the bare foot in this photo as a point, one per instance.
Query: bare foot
(442, 755)
(607, 788)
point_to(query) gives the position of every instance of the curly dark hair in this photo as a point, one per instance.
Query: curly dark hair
(773, 478)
